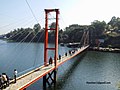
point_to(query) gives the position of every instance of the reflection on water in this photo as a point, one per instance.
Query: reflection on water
(72, 75)
(95, 67)
(102, 69)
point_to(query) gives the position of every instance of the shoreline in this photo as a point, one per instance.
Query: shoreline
(101, 49)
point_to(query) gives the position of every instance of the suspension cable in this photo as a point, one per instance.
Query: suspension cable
(23, 49)
(31, 11)
(17, 33)
(15, 22)
(37, 53)
(21, 41)
(61, 18)
(25, 37)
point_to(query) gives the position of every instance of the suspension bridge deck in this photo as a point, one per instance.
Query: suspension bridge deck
(29, 78)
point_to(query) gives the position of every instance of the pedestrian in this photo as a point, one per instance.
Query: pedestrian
(59, 56)
(15, 75)
(70, 52)
(4, 80)
(7, 79)
(50, 60)
(1, 82)
(66, 54)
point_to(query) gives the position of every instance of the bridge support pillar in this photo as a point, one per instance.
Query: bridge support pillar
(44, 82)
(50, 79)
(55, 77)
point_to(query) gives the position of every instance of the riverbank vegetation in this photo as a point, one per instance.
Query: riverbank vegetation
(108, 33)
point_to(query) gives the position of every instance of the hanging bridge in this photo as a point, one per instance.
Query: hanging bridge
(31, 77)
(49, 71)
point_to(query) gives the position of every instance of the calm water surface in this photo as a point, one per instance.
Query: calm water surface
(92, 67)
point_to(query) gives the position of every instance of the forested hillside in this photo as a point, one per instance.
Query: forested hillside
(109, 32)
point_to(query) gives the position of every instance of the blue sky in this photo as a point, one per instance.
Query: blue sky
(16, 13)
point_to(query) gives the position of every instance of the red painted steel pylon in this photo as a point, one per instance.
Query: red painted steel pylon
(46, 48)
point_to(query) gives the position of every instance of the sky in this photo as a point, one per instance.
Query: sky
(16, 13)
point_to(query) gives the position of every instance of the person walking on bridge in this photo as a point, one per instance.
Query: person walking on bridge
(15, 75)
(1, 82)
(5, 80)
(50, 61)
(59, 57)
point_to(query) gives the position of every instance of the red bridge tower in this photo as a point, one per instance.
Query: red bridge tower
(46, 48)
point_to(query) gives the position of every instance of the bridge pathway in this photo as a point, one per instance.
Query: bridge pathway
(29, 78)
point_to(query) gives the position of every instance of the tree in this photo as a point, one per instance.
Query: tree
(52, 25)
(36, 28)
(113, 21)
(99, 27)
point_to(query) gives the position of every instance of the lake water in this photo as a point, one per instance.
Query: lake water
(88, 71)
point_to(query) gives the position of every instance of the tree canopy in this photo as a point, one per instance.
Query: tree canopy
(72, 33)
